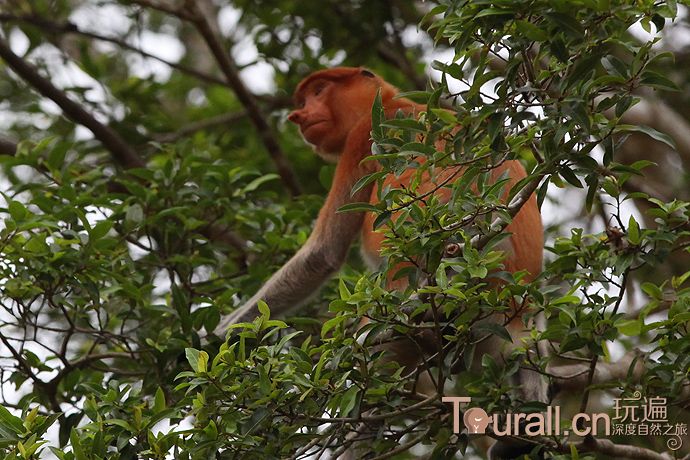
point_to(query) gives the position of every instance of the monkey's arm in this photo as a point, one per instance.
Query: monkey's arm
(327, 246)
(296, 281)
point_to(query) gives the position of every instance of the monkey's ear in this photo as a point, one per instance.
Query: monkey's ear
(366, 73)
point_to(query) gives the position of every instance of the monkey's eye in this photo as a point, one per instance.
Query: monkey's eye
(318, 89)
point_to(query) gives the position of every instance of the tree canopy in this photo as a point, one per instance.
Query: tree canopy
(149, 184)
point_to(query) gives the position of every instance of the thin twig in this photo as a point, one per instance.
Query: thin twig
(70, 28)
(121, 151)
(224, 119)
(248, 100)
(497, 226)
(123, 154)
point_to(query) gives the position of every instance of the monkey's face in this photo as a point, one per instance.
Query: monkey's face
(328, 110)
(315, 118)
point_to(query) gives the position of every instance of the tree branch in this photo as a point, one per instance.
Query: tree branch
(26, 367)
(245, 97)
(121, 151)
(70, 28)
(573, 377)
(163, 6)
(395, 52)
(619, 451)
(123, 154)
(520, 198)
(397, 58)
(85, 361)
(7, 147)
(191, 128)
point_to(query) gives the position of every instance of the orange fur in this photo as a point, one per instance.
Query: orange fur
(339, 100)
(334, 115)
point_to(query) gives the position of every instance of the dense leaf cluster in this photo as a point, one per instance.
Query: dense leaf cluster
(111, 273)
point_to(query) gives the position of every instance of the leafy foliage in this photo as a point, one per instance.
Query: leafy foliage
(111, 274)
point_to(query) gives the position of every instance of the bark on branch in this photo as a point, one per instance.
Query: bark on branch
(619, 451)
(575, 376)
(123, 154)
(190, 128)
(121, 151)
(7, 147)
(70, 28)
(246, 98)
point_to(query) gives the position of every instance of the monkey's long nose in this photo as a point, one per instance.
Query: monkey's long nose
(295, 117)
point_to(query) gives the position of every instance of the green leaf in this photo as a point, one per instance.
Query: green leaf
(678, 281)
(11, 422)
(77, 449)
(592, 186)
(651, 132)
(18, 211)
(159, 400)
(211, 430)
(658, 81)
(202, 362)
(42, 426)
(629, 327)
(541, 192)
(121, 423)
(615, 66)
(494, 329)
(568, 299)
(633, 231)
(100, 229)
(366, 180)
(349, 400)
(559, 50)
(421, 97)
(134, 214)
(382, 218)
(331, 323)
(531, 31)
(377, 117)
(492, 12)
(479, 80)
(567, 23)
(477, 271)
(192, 355)
(56, 157)
(253, 185)
(652, 290)
(357, 207)
(182, 306)
(343, 290)
(570, 176)
(444, 115)
(407, 124)
(263, 309)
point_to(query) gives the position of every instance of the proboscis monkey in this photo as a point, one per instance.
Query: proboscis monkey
(334, 116)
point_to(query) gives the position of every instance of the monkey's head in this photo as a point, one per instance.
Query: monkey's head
(331, 102)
